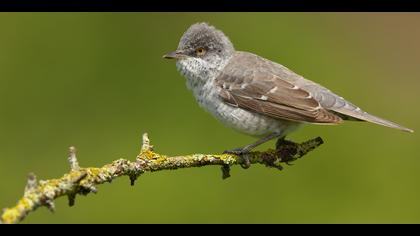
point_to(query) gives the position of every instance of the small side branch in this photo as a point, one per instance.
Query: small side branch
(74, 164)
(84, 180)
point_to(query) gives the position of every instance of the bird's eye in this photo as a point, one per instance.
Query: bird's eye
(200, 51)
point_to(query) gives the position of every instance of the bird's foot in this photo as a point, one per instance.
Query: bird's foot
(242, 152)
(283, 142)
(287, 150)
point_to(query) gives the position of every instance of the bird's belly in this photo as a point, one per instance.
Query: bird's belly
(250, 123)
(244, 121)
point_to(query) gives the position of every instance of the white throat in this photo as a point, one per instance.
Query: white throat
(200, 76)
(198, 71)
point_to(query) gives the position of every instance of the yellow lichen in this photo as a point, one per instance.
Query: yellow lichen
(10, 216)
(148, 154)
(227, 158)
(160, 159)
(25, 203)
(53, 182)
(74, 174)
(49, 191)
(94, 171)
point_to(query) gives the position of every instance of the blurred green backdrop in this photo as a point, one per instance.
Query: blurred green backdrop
(98, 81)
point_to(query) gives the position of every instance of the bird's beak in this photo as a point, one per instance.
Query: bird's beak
(178, 54)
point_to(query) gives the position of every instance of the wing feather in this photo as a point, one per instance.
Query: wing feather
(258, 89)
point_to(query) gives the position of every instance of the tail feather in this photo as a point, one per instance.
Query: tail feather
(387, 123)
(364, 116)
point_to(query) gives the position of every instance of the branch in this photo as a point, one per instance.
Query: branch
(83, 180)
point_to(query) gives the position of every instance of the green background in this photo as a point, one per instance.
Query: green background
(98, 81)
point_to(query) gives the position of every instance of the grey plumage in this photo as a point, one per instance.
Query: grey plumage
(255, 95)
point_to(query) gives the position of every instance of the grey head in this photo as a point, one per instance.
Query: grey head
(205, 43)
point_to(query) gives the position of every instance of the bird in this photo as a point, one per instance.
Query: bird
(255, 95)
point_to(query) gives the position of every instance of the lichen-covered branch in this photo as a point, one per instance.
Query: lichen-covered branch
(83, 180)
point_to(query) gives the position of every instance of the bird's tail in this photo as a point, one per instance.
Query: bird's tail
(387, 123)
(364, 116)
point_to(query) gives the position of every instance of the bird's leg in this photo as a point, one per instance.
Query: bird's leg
(242, 151)
(249, 147)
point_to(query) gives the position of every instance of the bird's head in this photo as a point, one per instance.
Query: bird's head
(203, 42)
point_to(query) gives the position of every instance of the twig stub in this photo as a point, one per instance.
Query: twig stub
(74, 164)
(31, 183)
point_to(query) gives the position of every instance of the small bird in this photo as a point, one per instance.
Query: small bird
(254, 95)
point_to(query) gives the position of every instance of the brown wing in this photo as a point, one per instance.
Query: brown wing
(249, 82)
